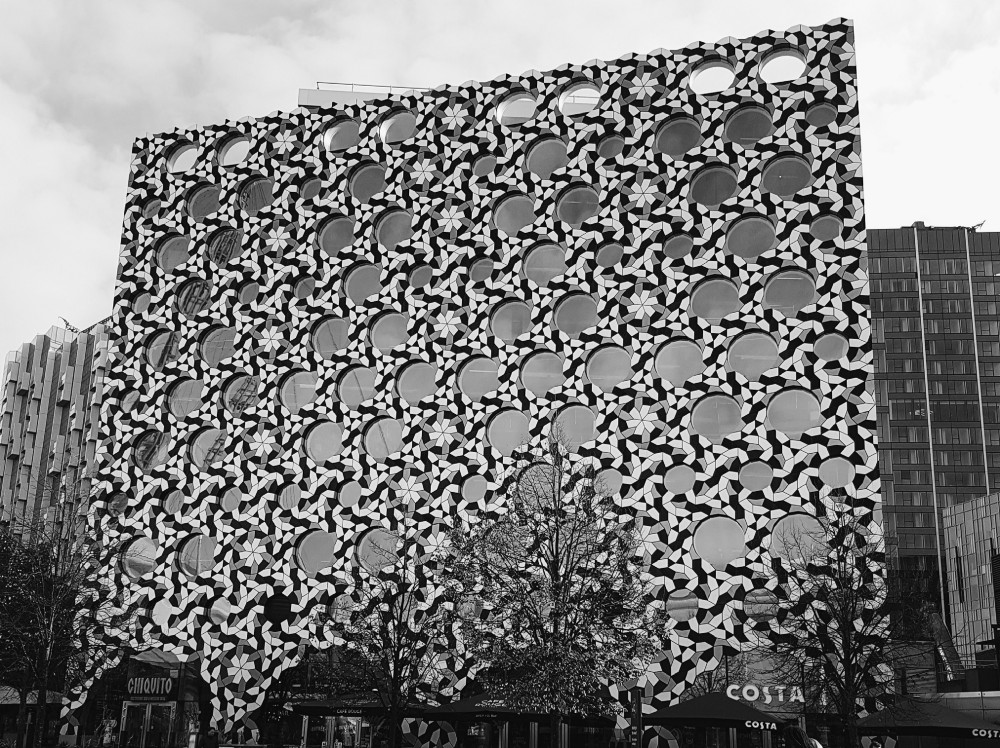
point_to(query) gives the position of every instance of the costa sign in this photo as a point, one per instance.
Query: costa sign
(767, 694)
(978, 733)
(151, 688)
(761, 725)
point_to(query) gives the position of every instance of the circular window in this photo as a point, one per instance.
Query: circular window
(315, 551)
(311, 188)
(203, 201)
(747, 125)
(715, 417)
(149, 450)
(416, 381)
(610, 147)
(163, 348)
(289, 497)
(719, 541)
(383, 438)
(193, 297)
(513, 213)
(609, 255)
(712, 77)
(363, 282)
(220, 611)
(713, 185)
(182, 158)
(677, 136)
(575, 425)
(481, 270)
(234, 151)
(329, 336)
(789, 291)
(185, 397)
(516, 110)
(478, 377)
(421, 276)
(793, 412)
(207, 448)
(484, 165)
(750, 237)
(336, 233)
(376, 549)
(831, 347)
(782, 66)
(324, 441)
(544, 262)
(474, 488)
(821, 114)
(298, 390)
(225, 245)
(576, 313)
(141, 303)
(342, 135)
(151, 208)
(366, 181)
(356, 386)
(247, 293)
(577, 204)
(826, 227)
(172, 252)
(580, 98)
(241, 393)
(130, 400)
(397, 127)
(256, 194)
(681, 605)
(173, 503)
(304, 288)
(510, 320)
(752, 354)
(756, 476)
(714, 299)
(797, 537)
(350, 494)
(678, 246)
(608, 482)
(679, 479)
(139, 558)
(609, 366)
(394, 227)
(760, 605)
(196, 555)
(542, 372)
(231, 499)
(545, 156)
(507, 430)
(389, 331)
(836, 472)
(217, 345)
(786, 175)
(679, 360)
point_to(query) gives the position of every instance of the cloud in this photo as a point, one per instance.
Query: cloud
(79, 81)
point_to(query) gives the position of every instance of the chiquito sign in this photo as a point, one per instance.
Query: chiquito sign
(765, 694)
(152, 689)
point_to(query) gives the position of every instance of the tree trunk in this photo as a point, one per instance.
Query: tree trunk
(22, 717)
(40, 715)
(851, 728)
(555, 730)
(394, 731)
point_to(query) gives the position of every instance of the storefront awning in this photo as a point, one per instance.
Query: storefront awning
(915, 717)
(485, 707)
(349, 706)
(713, 710)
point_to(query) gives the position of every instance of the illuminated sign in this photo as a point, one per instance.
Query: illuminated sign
(767, 694)
(152, 689)
(761, 725)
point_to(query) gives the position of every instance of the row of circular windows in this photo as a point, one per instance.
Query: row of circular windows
(791, 411)
(784, 176)
(750, 354)
(718, 540)
(515, 108)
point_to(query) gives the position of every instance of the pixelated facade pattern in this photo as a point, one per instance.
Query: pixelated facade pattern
(333, 327)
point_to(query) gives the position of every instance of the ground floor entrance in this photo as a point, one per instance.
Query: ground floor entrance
(147, 725)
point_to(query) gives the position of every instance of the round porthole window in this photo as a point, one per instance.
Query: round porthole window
(478, 377)
(330, 336)
(609, 366)
(677, 136)
(752, 354)
(576, 313)
(544, 262)
(356, 386)
(298, 390)
(789, 291)
(748, 125)
(397, 127)
(416, 381)
(719, 541)
(713, 185)
(342, 135)
(512, 213)
(577, 204)
(750, 237)
(507, 430)
(712, 77)
(679, 360)
(786, 175)
(579, 98)
(510, 320)
(715, 417)
(383, 438)
(516, 110)
(546, 156)
(335, 234)
(714, 299)
(794, 411)
(542, 372)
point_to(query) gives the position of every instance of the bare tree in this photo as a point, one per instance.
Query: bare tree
(555, 600)
(50, 603)
(839, 628)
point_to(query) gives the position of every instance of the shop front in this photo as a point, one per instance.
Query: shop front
(161, 706)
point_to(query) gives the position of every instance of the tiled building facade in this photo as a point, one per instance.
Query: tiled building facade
(49, 411)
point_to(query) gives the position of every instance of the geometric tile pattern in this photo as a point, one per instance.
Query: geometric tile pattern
(330, 322)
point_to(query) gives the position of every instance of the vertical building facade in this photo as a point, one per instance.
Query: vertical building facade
(937, 364)
(49, 416)
(971, 545)
(335, 327)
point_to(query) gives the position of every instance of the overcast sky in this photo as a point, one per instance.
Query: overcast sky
(80, 80)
